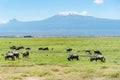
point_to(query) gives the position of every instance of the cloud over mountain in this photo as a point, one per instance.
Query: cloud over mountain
(66, 13)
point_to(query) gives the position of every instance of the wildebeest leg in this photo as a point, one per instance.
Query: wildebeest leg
(13, 58)
(77, 58)
(23, 56)
(17, 56)
(72, 59)
(102, 59)
(68, 59)
(6, 58)
(96, 60)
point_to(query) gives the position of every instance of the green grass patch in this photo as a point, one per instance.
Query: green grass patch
(53, 64)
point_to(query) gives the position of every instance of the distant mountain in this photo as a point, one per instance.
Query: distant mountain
(70, 25)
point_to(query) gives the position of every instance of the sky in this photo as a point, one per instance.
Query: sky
(32, 10)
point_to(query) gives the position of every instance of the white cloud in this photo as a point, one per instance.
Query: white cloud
(4, 22)
(98, 1)
(84, 13)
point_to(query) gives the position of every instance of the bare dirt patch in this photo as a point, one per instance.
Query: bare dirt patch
(32, 78)
(0, 78)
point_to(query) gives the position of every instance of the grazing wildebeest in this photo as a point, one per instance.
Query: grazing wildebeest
(16, 47)
(69, 49)
(73, 56)
(16, 54)
(40, 48)
(97, 57)
(44, 49)
(19, 47)
(9, 55)
(28, 48)
(25, 54)
(97, 52)
(88, 52)
(12, 47)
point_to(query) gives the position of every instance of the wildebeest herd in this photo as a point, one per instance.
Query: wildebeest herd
(12, 53)
(97, 55)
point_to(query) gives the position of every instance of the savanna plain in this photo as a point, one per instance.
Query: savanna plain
(53, 64)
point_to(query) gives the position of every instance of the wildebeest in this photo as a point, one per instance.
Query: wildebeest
(97, 57)
(19, 47)
(25, 54)
(16, 47)
(69, 49)
(40, 48)
(16, 54)
(97, 52)
(28, 48)
(88, 52)
(12, 47)
(44, 49)
(73, 56)
(12, 55)
(9, 55)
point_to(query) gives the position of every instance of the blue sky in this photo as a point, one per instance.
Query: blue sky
(29, 10)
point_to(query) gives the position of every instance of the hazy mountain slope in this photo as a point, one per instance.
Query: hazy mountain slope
(67, 25)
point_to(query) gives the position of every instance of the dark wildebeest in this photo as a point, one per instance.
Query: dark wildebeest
(69, 49)
(97, 57)
(28, 48)
(44, 49)
(12, 47)
(19, 47)
(40, 48)
(88, 52)
(16, 54)
(97, 52)
(9, 55)
(25, 54)
(73, 56)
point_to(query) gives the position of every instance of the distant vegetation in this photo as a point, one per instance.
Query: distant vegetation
(52, 64)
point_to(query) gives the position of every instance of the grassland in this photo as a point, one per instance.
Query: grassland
(53, 64)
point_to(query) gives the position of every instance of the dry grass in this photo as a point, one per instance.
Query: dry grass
(55, 72)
